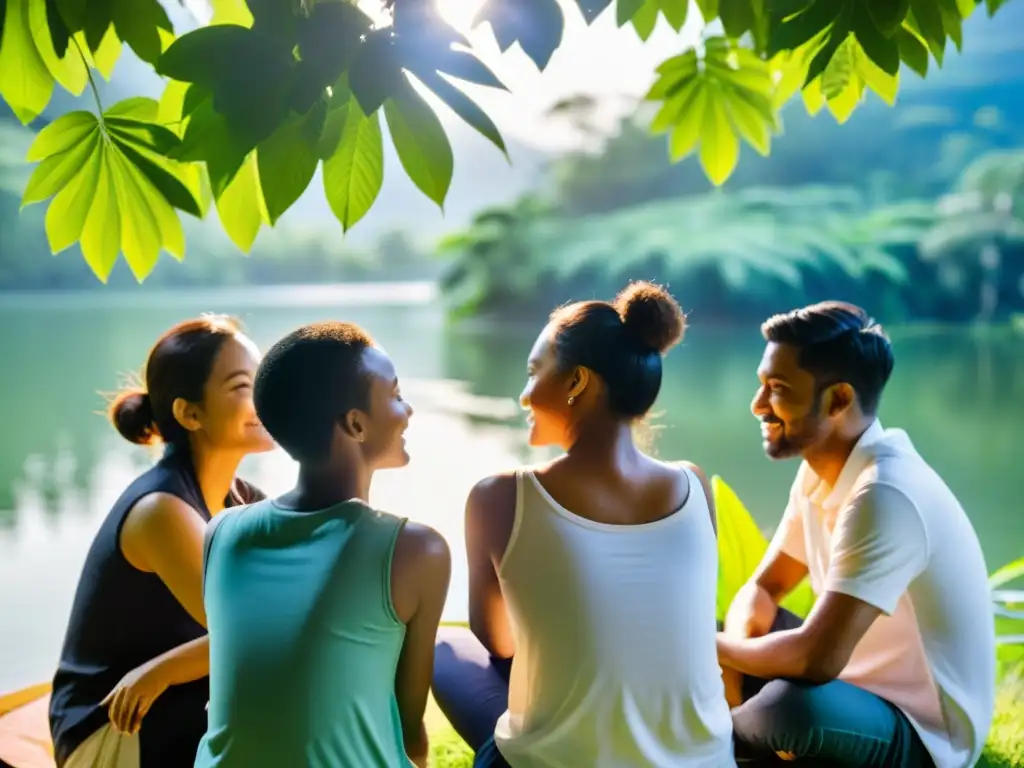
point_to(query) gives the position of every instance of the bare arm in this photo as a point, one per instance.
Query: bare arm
(490, 514)
(817, 651)
(164, 535)
(879, 546)
(422, 570)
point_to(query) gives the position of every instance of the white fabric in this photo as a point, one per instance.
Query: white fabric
(614, 628)
(891, 533)
(106, 748)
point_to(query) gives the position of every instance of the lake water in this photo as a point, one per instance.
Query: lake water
(959, 394)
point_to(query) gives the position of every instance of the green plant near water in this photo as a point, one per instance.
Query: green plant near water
(272, 90)
(741, 545)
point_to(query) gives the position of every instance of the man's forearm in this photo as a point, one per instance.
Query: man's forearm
(187, 662)
(776, 655)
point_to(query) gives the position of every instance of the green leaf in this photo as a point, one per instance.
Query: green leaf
(541, 30)
(802, 28)
(719, 148)
(231, 12)
(141, 238)
(51, 38)
(65, 217)
(837, 36)
(708, 9)
(887, 15)
(1006, 574)
(928, 18)
(328, 38)
(912, 51)
(375, 73)
(25, 82)
(625, 10)
(105, 57)
(73, 13)
(199, 56)
(750, 122)
(953, 23)
(537, 25)
(51, 175)
(591, 9)
(884, 84)
(464, 107)
(675, 12)
(741, 545)
(137, 23)
(99, 19)
(240, 206)
(286, 162)
(101, 235)
(464, 65)
(354, 173)
(421, 143)
(687, 132)
(62, 134)
(645, 19)
(840, 70)
(146, 146)
(141, 108)
(249, 73)
(883, 51)
(737, 16)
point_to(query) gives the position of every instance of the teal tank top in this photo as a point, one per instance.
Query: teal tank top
(304, 639)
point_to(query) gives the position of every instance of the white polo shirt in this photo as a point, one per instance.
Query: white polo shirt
(891, 533)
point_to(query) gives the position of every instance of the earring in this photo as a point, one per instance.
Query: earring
(572, 399)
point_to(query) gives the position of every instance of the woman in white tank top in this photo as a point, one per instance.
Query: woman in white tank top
(592, 578)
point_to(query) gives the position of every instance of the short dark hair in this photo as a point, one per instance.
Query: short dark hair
(621, 341)
(178, 366)
(307, 381)
(837, 341)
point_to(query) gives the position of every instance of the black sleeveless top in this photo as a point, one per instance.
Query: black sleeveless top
(121, 618)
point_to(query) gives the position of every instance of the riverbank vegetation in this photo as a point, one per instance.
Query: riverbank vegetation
(736, 255)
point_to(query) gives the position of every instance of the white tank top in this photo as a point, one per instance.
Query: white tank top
(614, 626)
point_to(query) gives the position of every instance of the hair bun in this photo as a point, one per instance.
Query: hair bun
(651, 315)
(132, 416)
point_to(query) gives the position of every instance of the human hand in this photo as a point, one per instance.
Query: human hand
(751, 613)
(133, 695)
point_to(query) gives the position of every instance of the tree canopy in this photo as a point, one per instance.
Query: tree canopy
(271, 90)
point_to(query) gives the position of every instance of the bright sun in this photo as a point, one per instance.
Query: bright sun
(458, 13)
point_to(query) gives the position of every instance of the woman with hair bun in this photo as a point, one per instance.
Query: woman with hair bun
(131, 684)
(591, 577)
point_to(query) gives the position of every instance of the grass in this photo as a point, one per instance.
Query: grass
(1005, 747)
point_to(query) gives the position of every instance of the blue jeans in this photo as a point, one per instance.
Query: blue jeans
(471, 689)
(835, 724)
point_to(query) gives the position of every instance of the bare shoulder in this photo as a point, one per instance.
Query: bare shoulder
(159, 509)
(492, 492)
(422, 547)
(420, 570)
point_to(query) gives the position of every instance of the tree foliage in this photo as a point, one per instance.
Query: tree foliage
(271, 90)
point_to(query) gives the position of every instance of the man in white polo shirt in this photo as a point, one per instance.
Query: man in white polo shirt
(895, 665)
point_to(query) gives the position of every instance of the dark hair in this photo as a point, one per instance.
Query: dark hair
(179, 365)
(622, 342)
(837, 342)
(307, 382)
